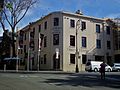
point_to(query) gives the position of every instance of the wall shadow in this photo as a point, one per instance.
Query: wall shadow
(87, 80)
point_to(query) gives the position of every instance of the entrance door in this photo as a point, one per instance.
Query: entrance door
(56, 62)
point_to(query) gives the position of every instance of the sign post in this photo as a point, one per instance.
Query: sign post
(57, 56)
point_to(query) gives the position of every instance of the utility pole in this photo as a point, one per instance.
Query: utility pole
(77, 52)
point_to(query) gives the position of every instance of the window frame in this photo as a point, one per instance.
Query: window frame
(45, 25)
(72, 40)
(56, 21)
(83, 25)
(98, 43)
(72, 23)
(55, 39)
(108, 30)
(45, 58)
(84, 42)
(108, 44)
(45, 41)
(97, 28)
(72, 58)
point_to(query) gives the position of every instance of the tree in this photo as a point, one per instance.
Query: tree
(13, 12)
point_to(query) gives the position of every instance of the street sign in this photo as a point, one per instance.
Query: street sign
(57, 53)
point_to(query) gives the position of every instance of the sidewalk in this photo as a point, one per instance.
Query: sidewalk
(40, 71)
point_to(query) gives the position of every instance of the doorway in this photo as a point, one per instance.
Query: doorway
(56, 62)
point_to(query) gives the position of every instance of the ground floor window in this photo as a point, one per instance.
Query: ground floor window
(117, 58)
(99, 58)
(72, 58)
(84, 59)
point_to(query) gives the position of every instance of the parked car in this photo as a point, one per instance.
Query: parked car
(116, 67)
(95, 66)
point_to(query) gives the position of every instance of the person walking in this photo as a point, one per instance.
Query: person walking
(102, 70)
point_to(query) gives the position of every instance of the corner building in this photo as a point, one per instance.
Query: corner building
(57, 32)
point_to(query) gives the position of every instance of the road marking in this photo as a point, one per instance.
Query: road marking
(112, 78)
(26, 76)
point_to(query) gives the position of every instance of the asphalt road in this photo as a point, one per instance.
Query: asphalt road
(59, 81)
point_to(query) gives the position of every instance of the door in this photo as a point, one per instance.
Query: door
(56, 62)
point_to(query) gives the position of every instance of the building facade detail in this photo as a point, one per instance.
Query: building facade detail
(40, 39)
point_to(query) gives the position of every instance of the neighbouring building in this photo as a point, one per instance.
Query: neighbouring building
(116, 39)
(50, 42)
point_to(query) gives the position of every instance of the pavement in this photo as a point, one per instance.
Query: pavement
(58, 80)
(40, 71)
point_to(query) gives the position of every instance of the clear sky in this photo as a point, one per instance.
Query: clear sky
(96, 8)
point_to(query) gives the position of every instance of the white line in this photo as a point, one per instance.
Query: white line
(112, 78)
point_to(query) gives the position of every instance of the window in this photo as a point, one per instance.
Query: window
(44, 58)
(108, 45)
(21, 51)
(39, 28)
(55, 39)
(108, 30)
(72, 58)
(72, 23)
(97, 28)
(72, 40)
(83, 41)
(24, 48)
(25, 36)
(56, 21)
(98, 43)
(83, 25)
(84, 59)
(45, 25)
(45, 41)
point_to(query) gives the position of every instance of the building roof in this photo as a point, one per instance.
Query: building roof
(65, 13)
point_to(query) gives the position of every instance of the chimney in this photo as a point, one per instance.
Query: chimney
(79, 12)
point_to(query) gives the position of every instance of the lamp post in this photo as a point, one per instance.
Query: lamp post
(38, 66)
(77, 52)
(17, 58)
(57, 57)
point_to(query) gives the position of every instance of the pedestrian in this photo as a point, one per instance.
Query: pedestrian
(102, 70)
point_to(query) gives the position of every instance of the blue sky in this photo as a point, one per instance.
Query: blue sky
(96, 8)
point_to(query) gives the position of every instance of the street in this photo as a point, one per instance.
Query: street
(59, 81)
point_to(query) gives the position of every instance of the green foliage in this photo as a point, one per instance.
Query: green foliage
(9, 6)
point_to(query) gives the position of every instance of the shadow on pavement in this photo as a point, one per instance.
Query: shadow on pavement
(86, 80)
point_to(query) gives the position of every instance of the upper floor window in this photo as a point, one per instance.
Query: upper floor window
(83, 25)
(21, 51)
(24, 48)
(31, 34)
(108, 29)
(97, 28)
(25, 36)
(39, 28)
(45, 25)
(84, 42)
(72, 58)
(34, 29)
(56, 21)
(72, 23)
(98, 43)
(45, 41)
(55, 39)
(108, 45)
(72, 40)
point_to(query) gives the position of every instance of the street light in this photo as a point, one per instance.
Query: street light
(17, 58)
(77, 52)
(57, 57)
